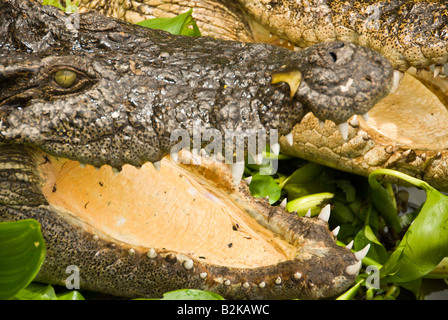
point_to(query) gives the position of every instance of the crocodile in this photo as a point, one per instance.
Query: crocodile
(412, 35)
(87, 117)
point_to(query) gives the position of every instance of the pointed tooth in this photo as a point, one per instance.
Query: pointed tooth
(325, 213)
(283, 203)
(157, 165)
(354, 121)
(362, 253)
(321, 123)
(308, 213)
(82, 165)
(354, 268)
(237, 169)
(248, 180)
(350, 245)
(336, 231)
(116, 170)
(398, 75)
(275, 148)
(343, 130)
(438, 70)
(365, 116)
(289, 137)
(292, 78)
(258, 158)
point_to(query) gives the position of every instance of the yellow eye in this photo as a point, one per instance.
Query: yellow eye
(65, 78)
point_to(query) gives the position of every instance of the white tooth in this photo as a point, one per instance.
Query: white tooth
(437, 70)
(308, 213)
(362, 253)
(283, 203)
(237, 171)
(175, 157)
(258, 158)
(82, 165)
(248, 180)
(354, 268)
(350, 245)
(365, 116)
(297, 49)
(325, 213)
(336, 231)
(398, 75)
(115, 170)
(282, 41)
(321, 123)
(157, 165)
(343, 130)
(354, 121)
(275, 148)
(290, 138)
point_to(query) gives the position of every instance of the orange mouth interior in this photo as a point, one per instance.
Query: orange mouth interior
(172, 208)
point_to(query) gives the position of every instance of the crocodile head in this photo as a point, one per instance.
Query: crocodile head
(86, 112)
(405, 132)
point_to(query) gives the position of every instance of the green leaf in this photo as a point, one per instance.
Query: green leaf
(70, 295)
(263, 186)
(377, 250)
(182, 24)
(313, 202)
(22, 251)
(36, 291)
(190, 294)
(310, 172)
(54, 3)
(425, 243)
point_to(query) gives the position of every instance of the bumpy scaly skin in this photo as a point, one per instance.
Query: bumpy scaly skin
(130, 94)
(407, 32)
(134, 96)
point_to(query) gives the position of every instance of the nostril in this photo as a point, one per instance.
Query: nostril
(368, 78)
(333, 56)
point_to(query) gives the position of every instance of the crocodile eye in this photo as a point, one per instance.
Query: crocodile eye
(65, 78)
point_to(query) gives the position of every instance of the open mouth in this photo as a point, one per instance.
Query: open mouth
(173, 208)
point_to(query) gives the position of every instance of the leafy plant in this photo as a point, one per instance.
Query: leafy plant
(22, 251)
(182, 24)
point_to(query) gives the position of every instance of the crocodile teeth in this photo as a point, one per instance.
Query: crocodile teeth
(275, 148)
(237, 169)
(361, 254)
(248, 180)
(398, 75)
(308, 213)
(283, 203)
(258, 158)
(365, 116)
(354, 268)
(343, 130)
(325, 213)
(292, 78)
(290, 138)
(438, 70)
(157, 165)
(336, 231)
(350, 245)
